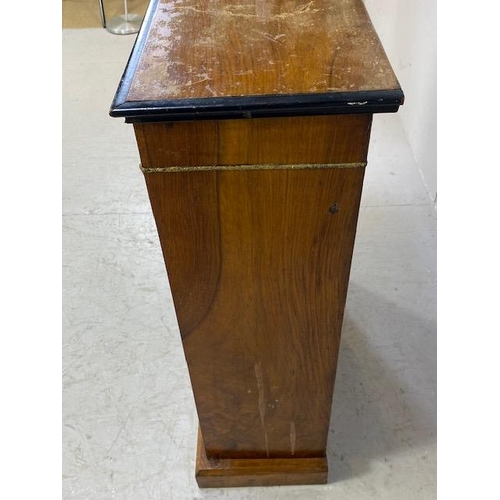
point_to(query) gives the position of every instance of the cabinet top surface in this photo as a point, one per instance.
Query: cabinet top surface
(209, 54)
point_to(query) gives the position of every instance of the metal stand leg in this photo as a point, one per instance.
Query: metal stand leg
(103, 15)
(126, 24)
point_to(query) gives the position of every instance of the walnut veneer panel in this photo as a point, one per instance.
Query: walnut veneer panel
(258, 264)
(316, 139)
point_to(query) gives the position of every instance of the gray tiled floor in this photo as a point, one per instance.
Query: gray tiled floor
(129, 417)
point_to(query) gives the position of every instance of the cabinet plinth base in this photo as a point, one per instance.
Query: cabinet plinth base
(258, 471)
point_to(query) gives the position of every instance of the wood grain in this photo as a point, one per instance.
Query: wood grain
(220, 473)
(258, 263)
(219, 48)
(317, 139)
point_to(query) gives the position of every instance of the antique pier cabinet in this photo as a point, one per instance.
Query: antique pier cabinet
(252, 120)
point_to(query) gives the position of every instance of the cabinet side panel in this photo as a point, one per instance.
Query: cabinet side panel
(258, 263)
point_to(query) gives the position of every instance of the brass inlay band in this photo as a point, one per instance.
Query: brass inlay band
(264, 166)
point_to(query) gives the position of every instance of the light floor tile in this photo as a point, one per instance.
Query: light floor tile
(129, 420)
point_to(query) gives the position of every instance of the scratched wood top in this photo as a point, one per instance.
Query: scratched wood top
(192, 50)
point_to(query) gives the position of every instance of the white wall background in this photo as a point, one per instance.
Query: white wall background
(407, 29)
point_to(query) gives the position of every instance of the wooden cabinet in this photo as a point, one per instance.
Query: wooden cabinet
(253, 123)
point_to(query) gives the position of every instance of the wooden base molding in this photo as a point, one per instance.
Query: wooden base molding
(241, 472)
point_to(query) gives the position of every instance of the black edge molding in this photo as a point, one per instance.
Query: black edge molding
(373, 101)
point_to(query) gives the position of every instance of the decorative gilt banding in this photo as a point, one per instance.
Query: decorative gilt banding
(264, 166)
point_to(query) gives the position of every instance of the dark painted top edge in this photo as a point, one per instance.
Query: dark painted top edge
(373, 101)
(267, 105)
(133, 60)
